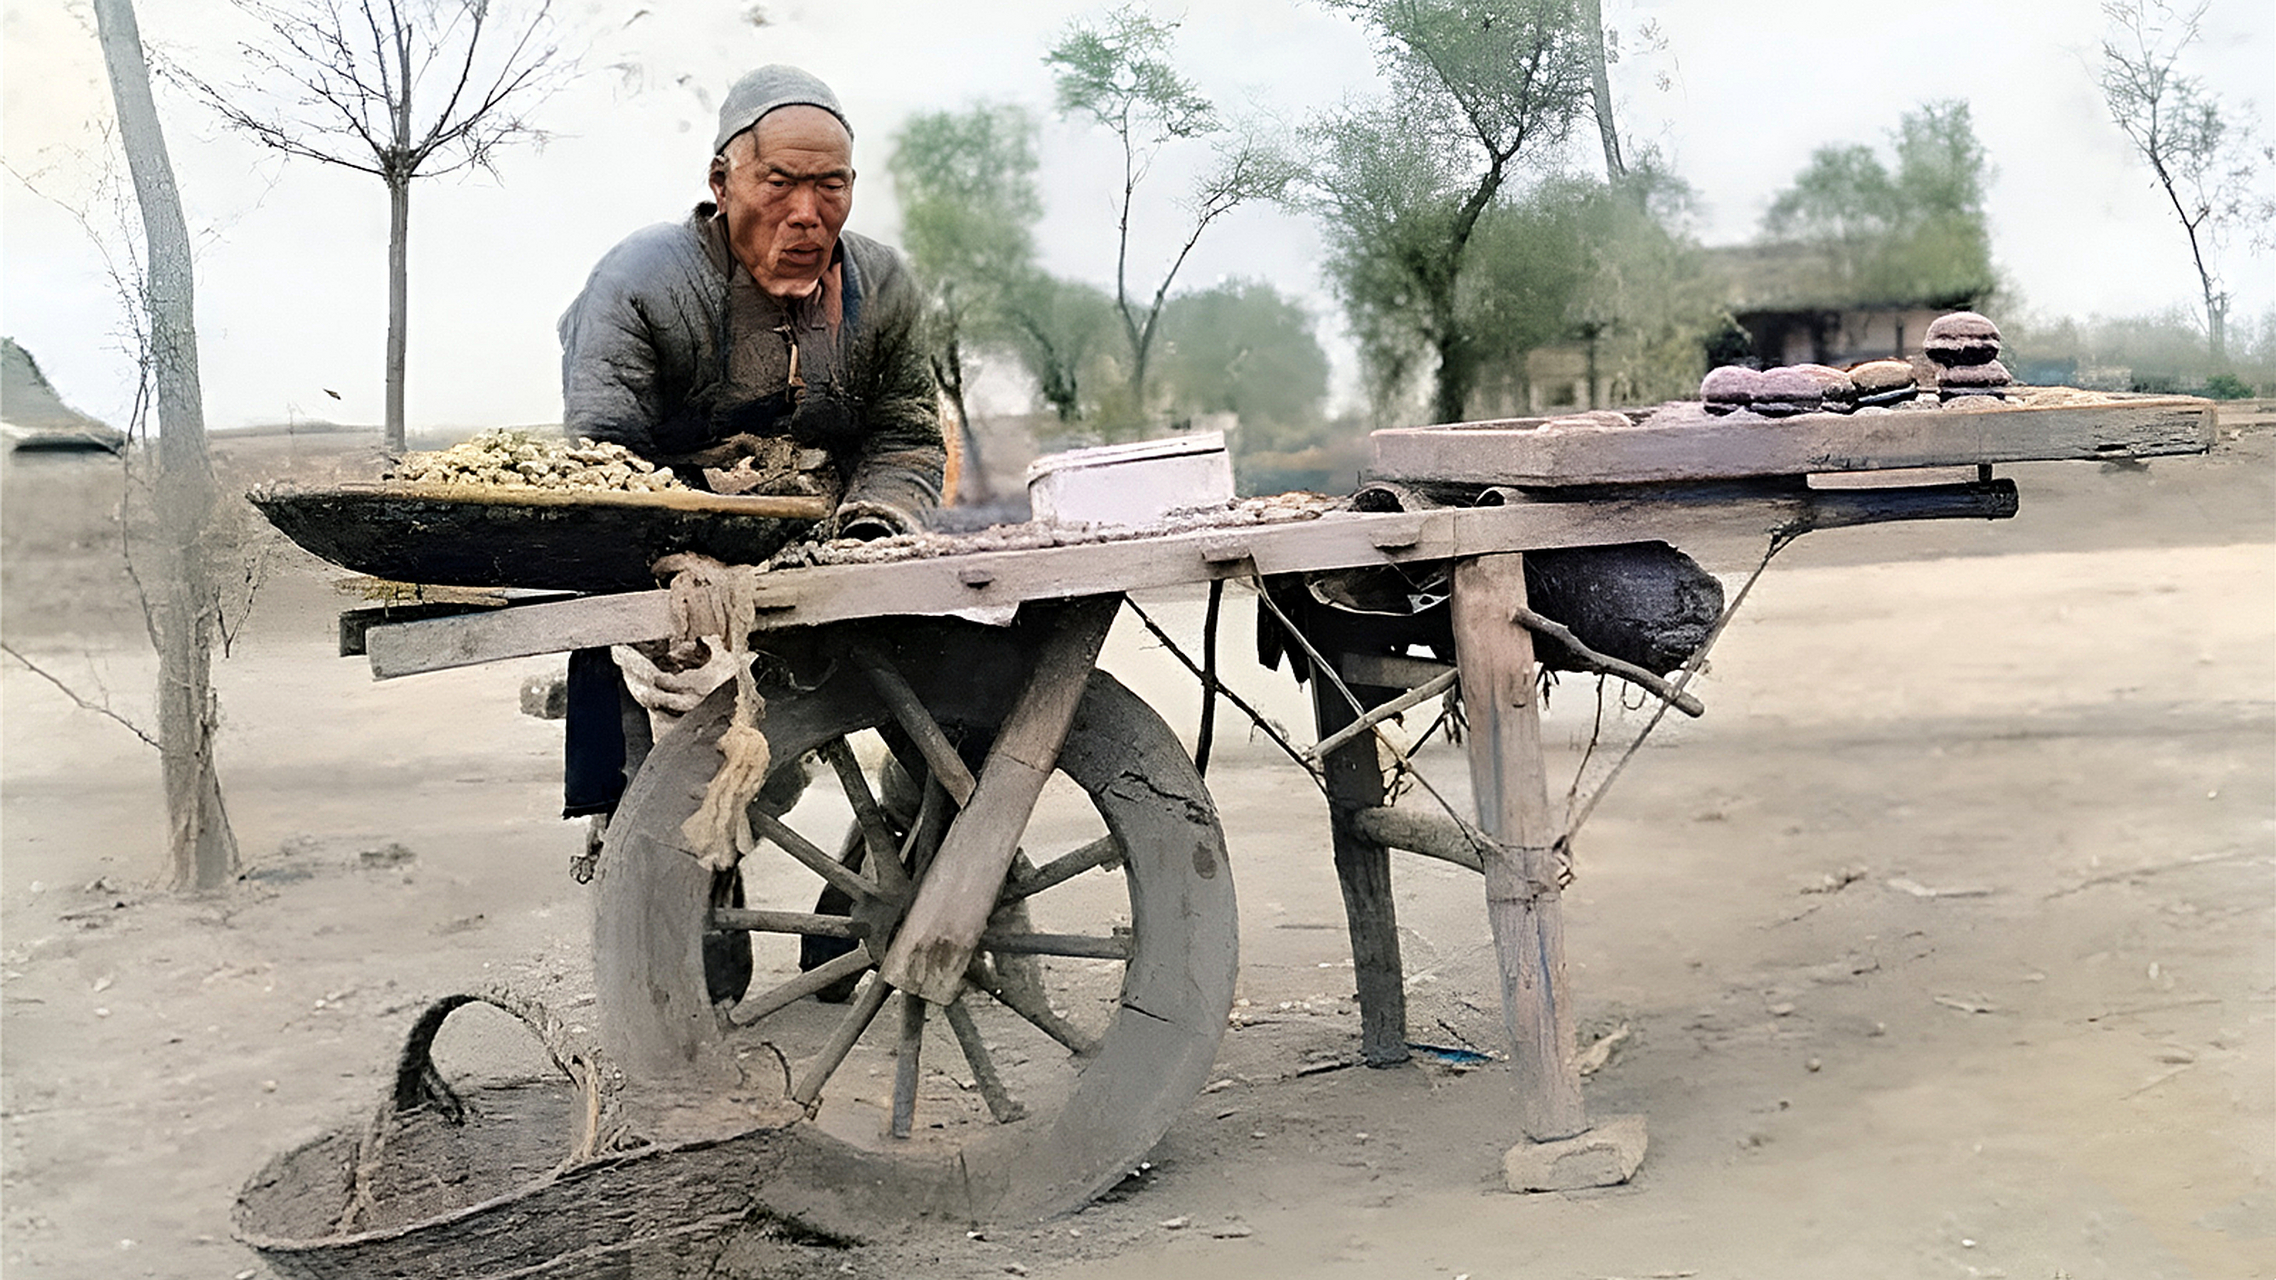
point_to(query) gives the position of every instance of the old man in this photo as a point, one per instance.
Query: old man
(758, 328)
(755, 345)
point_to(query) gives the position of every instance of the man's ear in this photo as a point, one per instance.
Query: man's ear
(719, 180)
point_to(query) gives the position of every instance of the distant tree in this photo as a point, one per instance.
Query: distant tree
(1598, 264)
(2206, 160)
(1244, 348)
(966, 185)
(1116, 72)
(1915, 234)
(183, 623)
(1477, 88)
(399, 89)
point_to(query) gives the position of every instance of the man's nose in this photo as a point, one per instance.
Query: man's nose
(805, 208)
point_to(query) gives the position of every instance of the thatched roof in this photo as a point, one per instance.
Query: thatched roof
(36, 416)
(1795, 276)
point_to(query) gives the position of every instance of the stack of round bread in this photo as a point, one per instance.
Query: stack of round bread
(1804, 388)
(1965, 347)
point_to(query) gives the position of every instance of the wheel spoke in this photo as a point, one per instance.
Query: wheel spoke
(892, 877)
(1001, 1104)
(841, 1043)
(1037, 1012)
(820, 863)
(849, 965)
(906, 1066)
(1082, 946)
(804, 922)
(922, 729)
(926, 832)
(1106, 851)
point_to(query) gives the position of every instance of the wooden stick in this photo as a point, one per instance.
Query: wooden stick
(906, 1067)
(932, 743)
(840, 1043)
(1070, 1036)
(892, 877)
(1511, 786)
(759, 920)
(1082, 946)
(935, 943)
(1397, 706)
(851, 964)
(806, 851)
(1609, 665)
(1106, 851)
(1001, 1104)
(1429, 834)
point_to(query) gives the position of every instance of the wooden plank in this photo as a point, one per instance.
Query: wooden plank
(934, 946)
(589, 622)
(1696, 517)
(1343, 540)
(1526, 452)
(1501, 697)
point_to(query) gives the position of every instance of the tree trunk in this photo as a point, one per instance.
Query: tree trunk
(398, 302)
(2217, 325)
(204, 850)
(1592, 13)
(1451, 389)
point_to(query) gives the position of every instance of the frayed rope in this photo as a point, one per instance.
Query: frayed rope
(714, 599)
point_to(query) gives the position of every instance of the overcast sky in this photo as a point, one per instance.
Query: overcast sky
(292, 264)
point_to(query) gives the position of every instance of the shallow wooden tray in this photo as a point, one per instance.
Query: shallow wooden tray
(493, 536)
(1681, 442)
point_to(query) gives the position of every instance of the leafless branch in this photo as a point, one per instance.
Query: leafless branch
(73, 694)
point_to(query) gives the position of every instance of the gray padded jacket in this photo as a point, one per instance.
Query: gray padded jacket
(643, 362)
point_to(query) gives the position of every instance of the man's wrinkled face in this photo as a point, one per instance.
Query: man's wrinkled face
(785, 186)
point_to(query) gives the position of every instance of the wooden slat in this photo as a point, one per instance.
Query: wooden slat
(1523, 452)
(1344, 540)
(591, 622)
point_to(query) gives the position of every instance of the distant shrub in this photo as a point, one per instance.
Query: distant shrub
(2227, 386)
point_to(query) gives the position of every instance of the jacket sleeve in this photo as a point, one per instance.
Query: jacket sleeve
(897, 474)
(623, 344)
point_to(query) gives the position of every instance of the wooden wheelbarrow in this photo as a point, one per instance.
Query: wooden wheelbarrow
(982, 771)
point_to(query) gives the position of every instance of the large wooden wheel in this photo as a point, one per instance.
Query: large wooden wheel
(1091, 1014)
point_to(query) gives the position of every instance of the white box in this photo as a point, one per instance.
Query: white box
(1130, 484)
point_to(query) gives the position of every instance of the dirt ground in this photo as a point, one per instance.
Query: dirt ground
(1945, 945)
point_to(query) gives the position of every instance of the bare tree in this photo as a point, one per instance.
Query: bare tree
(204, 849)
(2206, 161)
(1401, 184)
(399, 89)
(1117, 72)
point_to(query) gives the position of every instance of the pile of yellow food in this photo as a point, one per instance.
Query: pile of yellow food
(512, 457)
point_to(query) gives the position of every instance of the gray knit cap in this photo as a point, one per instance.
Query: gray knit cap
(768, 88)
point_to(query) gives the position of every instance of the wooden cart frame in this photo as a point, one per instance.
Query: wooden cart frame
(1536, 489)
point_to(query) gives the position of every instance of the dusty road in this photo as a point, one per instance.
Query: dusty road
(1945, 944)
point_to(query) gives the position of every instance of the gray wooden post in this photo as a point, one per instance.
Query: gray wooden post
(1500, 693)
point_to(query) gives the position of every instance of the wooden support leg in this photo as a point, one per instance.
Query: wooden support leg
(1363, 868)
(1501, 697)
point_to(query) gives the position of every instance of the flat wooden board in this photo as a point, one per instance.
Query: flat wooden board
(1682, 442)
(1002, 580)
